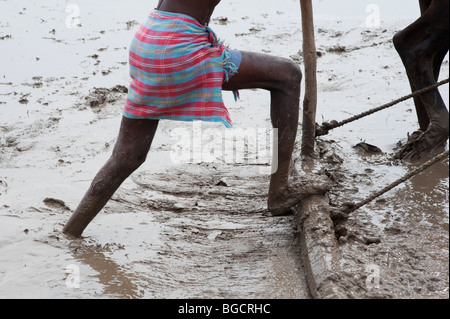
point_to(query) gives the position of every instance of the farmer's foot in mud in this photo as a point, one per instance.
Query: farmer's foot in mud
(424, 144)
(282, 202)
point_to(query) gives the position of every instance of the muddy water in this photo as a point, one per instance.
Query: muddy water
(174, 230)
(409, 223)
(198, 229)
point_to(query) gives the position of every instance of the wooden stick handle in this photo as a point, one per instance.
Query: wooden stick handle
(310, 60)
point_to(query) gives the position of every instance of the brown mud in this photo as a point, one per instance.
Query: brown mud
(397, 239)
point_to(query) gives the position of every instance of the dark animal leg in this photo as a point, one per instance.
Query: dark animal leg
(422, 47)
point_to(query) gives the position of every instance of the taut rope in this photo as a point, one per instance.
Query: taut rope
(327, 126)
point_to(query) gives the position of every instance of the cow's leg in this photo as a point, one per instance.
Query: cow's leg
(437, 62)
(424, 5)
(422, 47)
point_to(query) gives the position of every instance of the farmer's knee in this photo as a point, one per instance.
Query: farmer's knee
(292, 71)
(287, 77)
(129, 159)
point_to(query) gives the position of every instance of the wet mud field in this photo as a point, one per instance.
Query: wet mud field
(188, 227)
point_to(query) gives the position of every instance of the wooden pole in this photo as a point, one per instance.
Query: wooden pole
(310, 60)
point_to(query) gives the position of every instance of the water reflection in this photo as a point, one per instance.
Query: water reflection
(117, 282)
(425, 197)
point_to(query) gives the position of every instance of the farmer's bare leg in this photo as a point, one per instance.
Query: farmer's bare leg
(130, 151)
(422, 47)
(282, 78)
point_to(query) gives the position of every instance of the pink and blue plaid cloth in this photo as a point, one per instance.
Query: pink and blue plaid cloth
(177, 68)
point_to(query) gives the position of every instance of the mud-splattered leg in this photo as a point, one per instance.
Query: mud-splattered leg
(422, 47)
(133, 143)
(282, 78)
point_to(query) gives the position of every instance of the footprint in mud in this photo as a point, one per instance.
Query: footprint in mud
(221, 20)
(98, 97)
(55, 203)
(3, 187)
(199, 189)
(367, 149)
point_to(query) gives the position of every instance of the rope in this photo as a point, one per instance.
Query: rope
(327, 126)
(351, 207)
